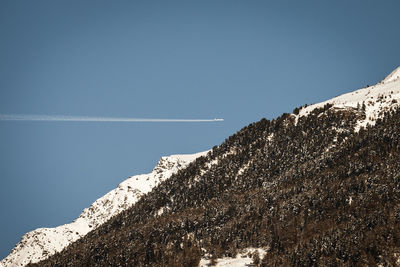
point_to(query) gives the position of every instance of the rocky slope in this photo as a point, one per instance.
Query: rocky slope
(44, 242)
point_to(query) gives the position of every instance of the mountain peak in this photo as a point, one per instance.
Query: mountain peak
(393, 76)
(377, 99)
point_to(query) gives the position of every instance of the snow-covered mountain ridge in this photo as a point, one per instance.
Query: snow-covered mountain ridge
(393, 76)
(373, 100)
(44, 242)
(376, 100)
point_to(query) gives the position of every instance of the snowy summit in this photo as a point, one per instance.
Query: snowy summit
(376, 99)
(394, 76)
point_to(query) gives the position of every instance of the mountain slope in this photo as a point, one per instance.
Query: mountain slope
(317, 187)
(44, 242)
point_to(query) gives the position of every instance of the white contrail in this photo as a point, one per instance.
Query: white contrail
(22, 117)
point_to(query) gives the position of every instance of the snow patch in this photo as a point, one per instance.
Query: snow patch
(243, 258)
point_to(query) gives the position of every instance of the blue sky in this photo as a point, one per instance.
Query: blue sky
(237, 60)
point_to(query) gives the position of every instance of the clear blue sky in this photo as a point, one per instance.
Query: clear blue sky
(237, 60)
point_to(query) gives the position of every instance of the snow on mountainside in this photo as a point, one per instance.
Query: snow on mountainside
(44, 242)
(377, 99)
(39, 244)
(395, 75)
(373, 100)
